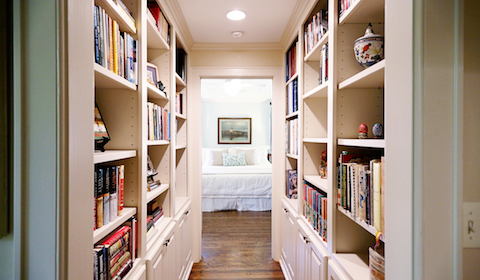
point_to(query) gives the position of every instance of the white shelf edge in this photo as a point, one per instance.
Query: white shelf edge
(314, 54)
(119, 15)
(322, 89)
(180, 203)
(363, 224)
(180, 116)
(292, 115)
(179, 81)
(157, 142)
(292, 156)
(155, 93)
(356, 265)
(366, 143)
(100, 233)
(179, 147)
(104, 78)
(112, 155)
(362, 7)
(292, 78)
(363, 75)
(315, 140)
(293, 203)
(151, 195)
(154, 35)
(317, 181)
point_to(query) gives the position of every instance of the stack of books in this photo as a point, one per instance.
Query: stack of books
(154, 214)
(315, 209)
(108, 194)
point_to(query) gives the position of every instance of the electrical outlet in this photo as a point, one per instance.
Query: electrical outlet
(471, 225)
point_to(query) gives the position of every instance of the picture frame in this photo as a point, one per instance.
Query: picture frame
(152, 74)
(101, 136)
(234, 130)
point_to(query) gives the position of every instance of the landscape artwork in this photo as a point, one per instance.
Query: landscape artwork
(234, 131)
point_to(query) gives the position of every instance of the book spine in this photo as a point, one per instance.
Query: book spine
(377, 209)
(106, 196)
(121, 186)
(99, 199)
(113, 193)
(382, 194)
(116, 236)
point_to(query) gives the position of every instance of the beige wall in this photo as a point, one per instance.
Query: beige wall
(471, 136)
(236, 58)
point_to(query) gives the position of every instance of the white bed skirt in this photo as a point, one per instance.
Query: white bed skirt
(211, 204)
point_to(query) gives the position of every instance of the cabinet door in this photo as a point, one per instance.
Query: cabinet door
(288, 241)
(317, 261)
(302, 260)
(158, 268)
(170, 271)
(185, 247)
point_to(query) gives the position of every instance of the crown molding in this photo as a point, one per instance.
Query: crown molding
(236, 46)
(176, 17)
(296, 19)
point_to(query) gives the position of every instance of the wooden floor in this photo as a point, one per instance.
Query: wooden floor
(236, 245)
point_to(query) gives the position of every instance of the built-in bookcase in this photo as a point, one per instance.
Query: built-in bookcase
(336, 95)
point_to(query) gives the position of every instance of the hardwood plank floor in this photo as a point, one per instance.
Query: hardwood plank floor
(236, 245)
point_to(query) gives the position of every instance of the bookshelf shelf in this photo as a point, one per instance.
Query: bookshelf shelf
(154, 39)
(292, 78)
(315, 140)
(158, 142)
(364, 11)
(180, 116)
(118, 14)
(364, 143)
(160, 227)
(100, 233)
(314, 54)
(292, 115)
(355, 264)
(105, 78)
(320, 91)
(112, 155)
(317, 181)
(180, 202)
(292, 156)
(313, 234)
(364, 225)
(151, 195)
(372, 77)
(155, 93)
(179, 81)
(181, 146)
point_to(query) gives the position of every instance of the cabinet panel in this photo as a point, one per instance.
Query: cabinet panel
(158, 268)
(302, 261)
(288, 242)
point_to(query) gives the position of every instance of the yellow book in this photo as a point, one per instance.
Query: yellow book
(116, 49)
(377, 206)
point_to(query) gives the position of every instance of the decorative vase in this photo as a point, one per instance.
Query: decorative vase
(368, 49)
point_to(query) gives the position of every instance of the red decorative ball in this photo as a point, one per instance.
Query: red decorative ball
(363, 128)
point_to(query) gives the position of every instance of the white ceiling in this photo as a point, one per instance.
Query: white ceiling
(236, 90)
(265, 21)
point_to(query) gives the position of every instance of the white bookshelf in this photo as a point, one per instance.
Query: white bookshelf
(320, 91)
(154, 39)
(105, 78)
(317, 181)
(118, 14)
(112, 155)
(366, 143)
(105, 230)
(314, 54)
(372, 230)
(157, 142)
(372, 77)
(151, 195)
(155, 93)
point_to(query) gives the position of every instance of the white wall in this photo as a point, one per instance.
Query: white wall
(258, 111)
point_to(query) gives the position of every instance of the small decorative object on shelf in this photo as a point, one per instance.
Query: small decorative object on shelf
(151, 172)
(152, 74)
(377, 131)
(363, 131)
(323, 165)
(100, 130)
(368, 49)
(377, 260)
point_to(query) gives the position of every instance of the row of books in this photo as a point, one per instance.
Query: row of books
(126, 14)
(114, 255)
(361, 188)
(292, 183)
(343, 5)
(292, 97)
(108, 194)
(291, 59)
(291, 136)
(315, 209)
(160, 20)
(179, 103)
(114, 49)
(323, 71)
(154, 214)
(315, 29)
(158, 119)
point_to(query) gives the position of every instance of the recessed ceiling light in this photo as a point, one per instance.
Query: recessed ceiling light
(237, 34)
(236, 15)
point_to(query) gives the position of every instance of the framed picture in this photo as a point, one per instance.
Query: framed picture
(234, 130)
(100, 131)
(152, 74)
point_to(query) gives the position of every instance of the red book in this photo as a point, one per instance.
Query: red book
(116, 236)
(121, 186)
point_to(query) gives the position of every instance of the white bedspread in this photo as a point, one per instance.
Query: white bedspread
(242, 188)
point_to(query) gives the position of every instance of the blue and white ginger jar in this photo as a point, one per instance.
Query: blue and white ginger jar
(368, 49)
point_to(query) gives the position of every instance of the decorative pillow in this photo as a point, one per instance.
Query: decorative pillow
(249, 159)
(260, 156)
(233, 160)
(214, 157)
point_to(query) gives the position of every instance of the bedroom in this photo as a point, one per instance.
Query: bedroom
(245, 183)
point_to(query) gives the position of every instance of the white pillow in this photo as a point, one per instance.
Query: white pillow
(249, 154)
(212, 156)
(260, 156)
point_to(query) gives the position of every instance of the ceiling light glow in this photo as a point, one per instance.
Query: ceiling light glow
(236, 15)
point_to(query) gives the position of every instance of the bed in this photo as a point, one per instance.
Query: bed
(245, 187)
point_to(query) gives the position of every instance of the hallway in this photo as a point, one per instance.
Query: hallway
(236, 245)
